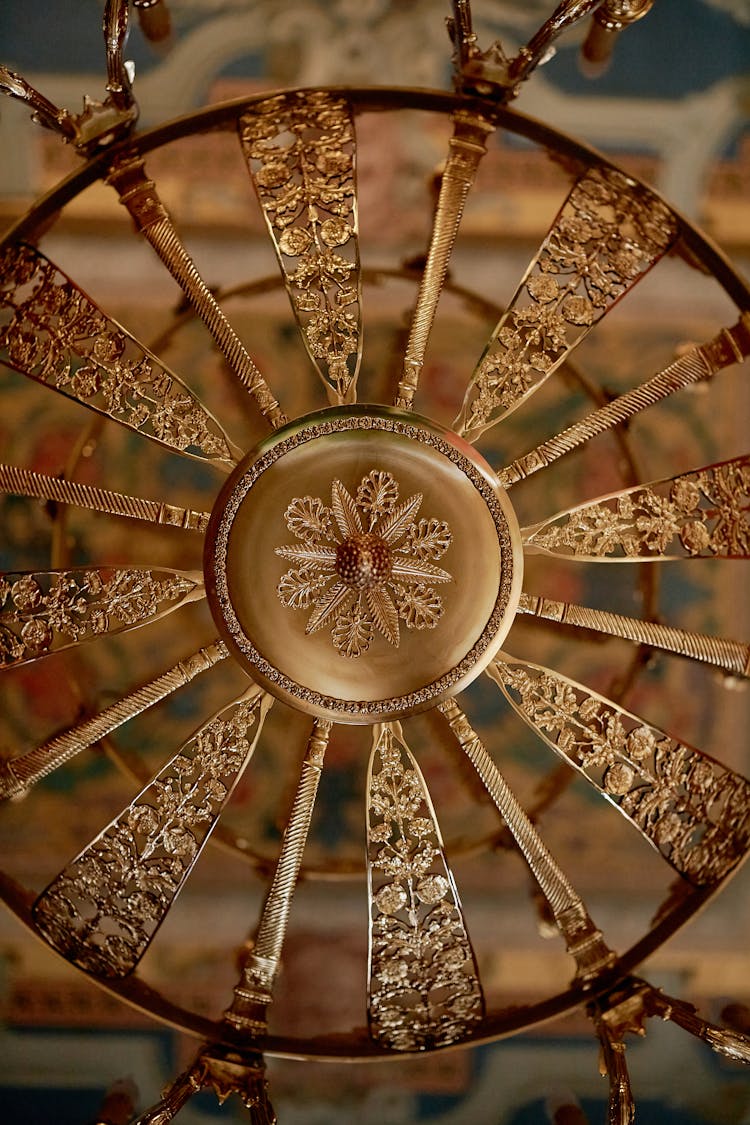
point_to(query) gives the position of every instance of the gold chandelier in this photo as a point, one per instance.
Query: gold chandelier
(364, 565)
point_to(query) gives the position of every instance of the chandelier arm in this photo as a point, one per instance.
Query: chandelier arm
(423, 986)
(608, 234)
(254, 990)
(19, 774)
(45, 113)
(40, 486)
(42, 612)
(731, 656)
(102, 914)
(115, 28)
(694, 811)
(139, 195)
(699, 364)
(701, 514)
(54, 333)
(614, 1067)
(583, 940)
(306, 189)
(466, 149)
(536, 51)
(734, 1045)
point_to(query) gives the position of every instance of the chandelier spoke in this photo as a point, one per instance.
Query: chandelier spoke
(607, 236)
(45, 611)
(300, 150)
(254, 991)
(582, 939)
(700, 363)
(466, 149)
(692, 809)
(51, 331)
(127, 174)
(423, 986)
(39, 486)
(701, 514)
(17, 775)
(731, 656)
(104, 908)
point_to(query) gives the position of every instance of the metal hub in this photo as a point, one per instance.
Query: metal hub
(379, 587)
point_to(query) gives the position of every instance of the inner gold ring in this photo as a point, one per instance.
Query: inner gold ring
(363, 564)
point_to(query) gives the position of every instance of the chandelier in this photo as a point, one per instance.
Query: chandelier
(366, 569)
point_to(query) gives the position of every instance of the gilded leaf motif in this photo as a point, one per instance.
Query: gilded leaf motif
(299, 149)
(702, 513)
(361, 565)
(694, 811)
(102, 911)
(424, 990)
(609, 232)
(52, 332)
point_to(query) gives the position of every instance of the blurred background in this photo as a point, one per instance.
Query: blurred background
(672, 108)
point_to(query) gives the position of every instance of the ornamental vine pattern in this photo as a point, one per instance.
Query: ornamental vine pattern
(48, 610)
(702, 513)
(300, 151)
(52, 332)
(364, 563)
(694, 810)
(423, 988)
(610, 231)
(102, 911)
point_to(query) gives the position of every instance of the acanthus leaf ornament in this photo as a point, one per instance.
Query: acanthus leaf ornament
(306, 190)
(102, 911)
(703, 513)
(608, 234)
(51, 331)
(44, 611)
(423, 989)
(693, 810)
(361, 564)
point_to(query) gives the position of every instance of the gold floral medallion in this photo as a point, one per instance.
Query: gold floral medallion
(337, 599)
(364, 563)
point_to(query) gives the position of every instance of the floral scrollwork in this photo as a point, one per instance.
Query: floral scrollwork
(608, 234)
(693, 810)
(102, 911)
(48, 610)
(703, 513)
(424, 990)
(364, 563)
(300, 152)
(52, 332)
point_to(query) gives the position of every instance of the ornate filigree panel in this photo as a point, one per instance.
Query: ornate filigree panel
(609, 232)
(364, 563)
(703, 513)
(51, 331)
(693, 810)
(102, 911)
(45, 611)
(300, 151)
(423, 986)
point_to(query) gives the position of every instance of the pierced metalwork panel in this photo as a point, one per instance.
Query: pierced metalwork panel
(48, 610)
(608, 234)
(693, 810)
(300, 149)
(703, 513)
(423, 986)
(52, 332)
(103, 909)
